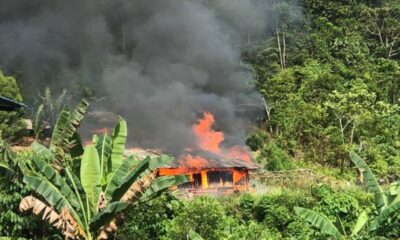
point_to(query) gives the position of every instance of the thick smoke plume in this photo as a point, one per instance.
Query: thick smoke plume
(160, 64)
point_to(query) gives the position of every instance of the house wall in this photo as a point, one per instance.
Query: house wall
(228, 178)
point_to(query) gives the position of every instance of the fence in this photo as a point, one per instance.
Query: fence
(298, 178)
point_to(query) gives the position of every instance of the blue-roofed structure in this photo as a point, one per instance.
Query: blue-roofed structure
(7, 104)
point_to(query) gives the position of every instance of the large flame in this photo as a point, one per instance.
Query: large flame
(207, 138)
(194, 164)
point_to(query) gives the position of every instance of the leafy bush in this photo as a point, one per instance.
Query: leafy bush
(246, 206)
(273, 158)
(204, 215)
(300, 230)
(256, 140)
(10, 122)
(338, 205)
(13, 223)
(249, 231)
(276, 211)
(147, 220)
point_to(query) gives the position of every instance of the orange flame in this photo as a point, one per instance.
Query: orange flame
(195, 162)
(210, 140)
(207, 138)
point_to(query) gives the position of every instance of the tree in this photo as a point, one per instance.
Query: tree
(387, 204)
(351, 109)
(10, 122)
(328, 227)
(82, 193)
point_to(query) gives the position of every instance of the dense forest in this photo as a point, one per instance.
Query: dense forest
(325, 75)
(330, 83)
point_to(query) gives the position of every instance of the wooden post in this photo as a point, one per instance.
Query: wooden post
(204, 180)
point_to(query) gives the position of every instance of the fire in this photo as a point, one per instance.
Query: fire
(207, 138)
(209, 165)
(238, 153)
(210, 140)
(195, 162)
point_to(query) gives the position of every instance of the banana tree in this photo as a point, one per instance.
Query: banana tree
(326, 226)
(87, 205)
(83, 191)
(387, 203)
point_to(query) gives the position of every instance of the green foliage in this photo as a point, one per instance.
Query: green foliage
(204, 215)
(49, 106)
(273, 158)
(336, 205)
(10, 122)
(250, 230)
(147, 220)
(13, 223)
(51, 174)
(333, 88)
(246, 206)
(319, 221)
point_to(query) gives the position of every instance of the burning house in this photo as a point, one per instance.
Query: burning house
(209, 172)
(210, 167)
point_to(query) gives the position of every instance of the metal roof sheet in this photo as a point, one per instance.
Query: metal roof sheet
(7, 104)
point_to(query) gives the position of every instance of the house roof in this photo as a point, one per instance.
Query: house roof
(7, 104)
(212, 161)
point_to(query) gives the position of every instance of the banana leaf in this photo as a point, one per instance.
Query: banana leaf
(194, 235)
(157, 162)
(371, 182)
(6, 169)
(361, 221)
(119, 175)
(103, 146)
(78, 114)
(107, 214)
(52, 176)
(90, 176)
(75, 146)
(319, 221)
(118, 145)
(51, 194)
(384, 216)
(64, 130)
(164, 183)
(41, 150)
(59, 142)
(129, 179)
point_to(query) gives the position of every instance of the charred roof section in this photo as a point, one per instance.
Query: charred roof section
(214, 161)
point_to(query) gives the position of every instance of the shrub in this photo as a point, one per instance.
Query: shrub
(273, 158)
(10, 122)
(246, 206)
(147, 220)
(13, 223)
(276, 211)
(298, 229)
(256, 140)
(337, 204)
(250, 231)
(203, 214)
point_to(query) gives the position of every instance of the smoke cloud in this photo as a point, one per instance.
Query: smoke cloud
(160, 64)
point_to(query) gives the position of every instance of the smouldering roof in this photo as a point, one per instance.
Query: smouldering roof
(214, 161)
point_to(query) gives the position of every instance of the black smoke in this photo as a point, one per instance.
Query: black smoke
(160, 64)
